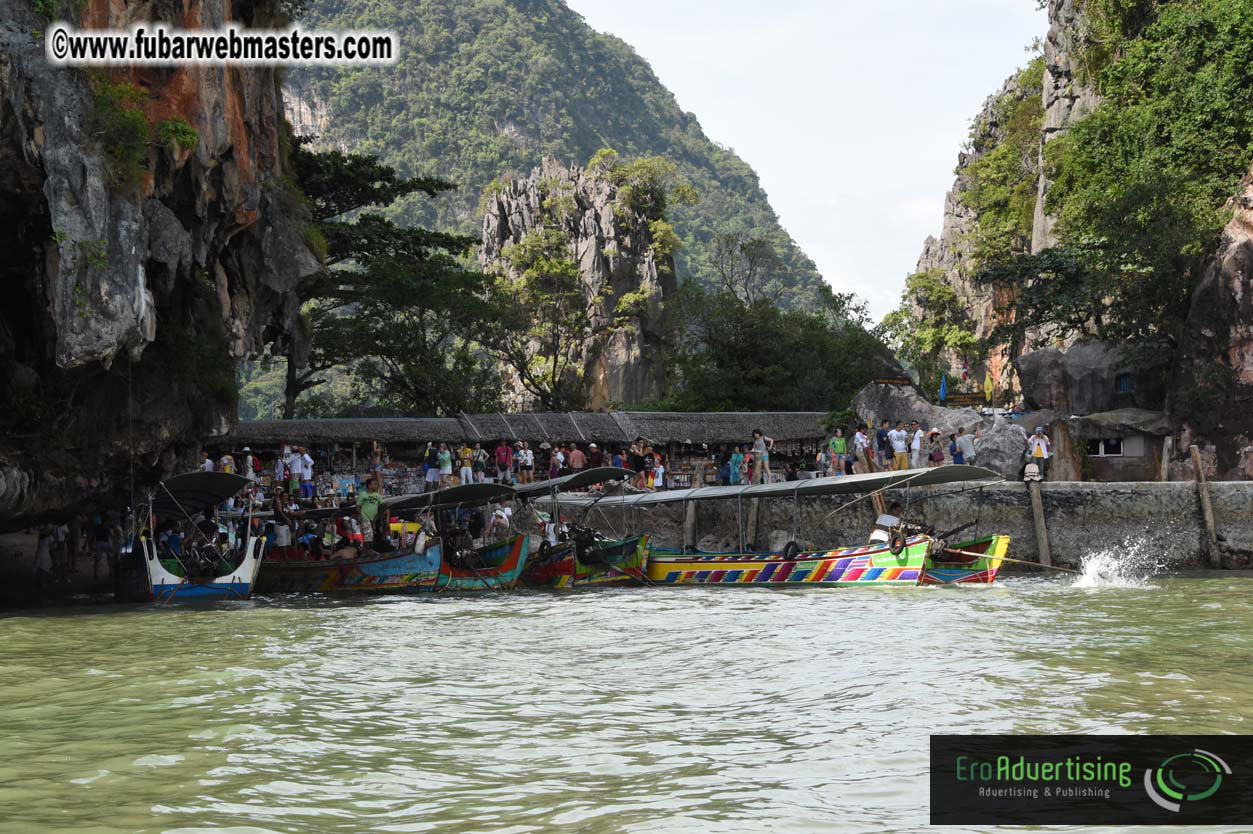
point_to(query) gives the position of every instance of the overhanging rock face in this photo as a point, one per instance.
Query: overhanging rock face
(128, 302)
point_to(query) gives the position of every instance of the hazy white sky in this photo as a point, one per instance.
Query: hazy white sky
(851, 111)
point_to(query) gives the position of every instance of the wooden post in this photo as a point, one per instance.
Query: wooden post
(1168, 443)
(1207, 509)
(689, 524)
(1041, 529)
(752, 522)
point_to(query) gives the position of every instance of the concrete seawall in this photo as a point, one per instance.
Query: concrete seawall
(1162, 519)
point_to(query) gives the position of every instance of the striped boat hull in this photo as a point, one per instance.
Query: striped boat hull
(844, 567)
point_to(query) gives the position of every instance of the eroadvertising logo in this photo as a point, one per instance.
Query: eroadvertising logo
(1193, 776)
(1087, 780)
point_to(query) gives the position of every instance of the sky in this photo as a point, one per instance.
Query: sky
(852, 112)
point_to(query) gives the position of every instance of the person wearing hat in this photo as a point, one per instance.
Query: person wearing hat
(251, 465)
(1038, 450)
(935, 449)
(595, 457)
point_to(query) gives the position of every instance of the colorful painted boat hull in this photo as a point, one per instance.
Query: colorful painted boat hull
(953, 568)
(404, 572)
(613, 564)
(845, 567)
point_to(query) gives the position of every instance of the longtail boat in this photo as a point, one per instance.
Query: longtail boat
(909, 554)
(573, 555)
(439, 559)
(205, 566)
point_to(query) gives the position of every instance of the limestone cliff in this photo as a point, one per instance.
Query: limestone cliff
(625, 281)
(128, 303)
(952, 257)
(1067, 98)
(1057, 94)
(1211, 391)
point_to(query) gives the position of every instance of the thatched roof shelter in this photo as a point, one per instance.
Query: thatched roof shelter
(606, 428)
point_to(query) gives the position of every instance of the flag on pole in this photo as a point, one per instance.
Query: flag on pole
(943, 386)
(987, 386)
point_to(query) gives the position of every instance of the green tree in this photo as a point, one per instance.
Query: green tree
(541, 317)
(381, 280)
(930, 324)
(740, 356)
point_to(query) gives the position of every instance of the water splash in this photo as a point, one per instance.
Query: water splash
(1128, 565)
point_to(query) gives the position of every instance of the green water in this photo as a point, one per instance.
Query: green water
(632, 710)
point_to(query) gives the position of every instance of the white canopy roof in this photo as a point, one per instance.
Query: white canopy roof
(837, 485)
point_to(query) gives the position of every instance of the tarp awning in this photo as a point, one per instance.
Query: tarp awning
(836, 485)
(194, 492)
(456, 496)
(576, 480)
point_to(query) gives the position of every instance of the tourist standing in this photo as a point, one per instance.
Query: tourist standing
(43, 559)
(595, 457)
(465, 459)
(526, 463)
(884, 445)
(761, 457)
(935, 449)
(861, 447)
(953, 451)
(251, 466)
(368, 504)
(966, 444)
(206, 462)
(430, 464)
(659, 472)
(735, 467)
(444, 459)
(839, 452)
(915, 445)
(578, 460)
(306, 474)
(504, 461)
(295, 468)
(280, 469)
(478, 462)
(1038, 450)
(900, 446)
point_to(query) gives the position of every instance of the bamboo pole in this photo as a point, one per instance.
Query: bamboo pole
(1041, 528)
(1207, 509)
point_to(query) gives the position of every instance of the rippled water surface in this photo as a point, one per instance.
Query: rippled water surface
(640, 710)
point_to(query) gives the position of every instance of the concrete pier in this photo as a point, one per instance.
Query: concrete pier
(1082, 518)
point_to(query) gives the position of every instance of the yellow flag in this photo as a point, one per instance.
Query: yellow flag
(987, 386)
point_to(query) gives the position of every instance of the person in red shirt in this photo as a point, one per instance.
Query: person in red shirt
(504, 462)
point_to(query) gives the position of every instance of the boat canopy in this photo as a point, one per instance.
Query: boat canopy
(577, 480)
(194, 492)
(455, 496)
(835, 485)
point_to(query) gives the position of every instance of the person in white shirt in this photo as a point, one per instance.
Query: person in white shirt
(915, 446)
(250, 469)
(1038, 450)
(280, 469)
(900, 446)
(206, 462)
(295, 468)
(306, 474)
(659, 474)
(966, 444)
(861, 447)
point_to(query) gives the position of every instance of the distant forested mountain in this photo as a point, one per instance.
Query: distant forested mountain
(485, 88)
